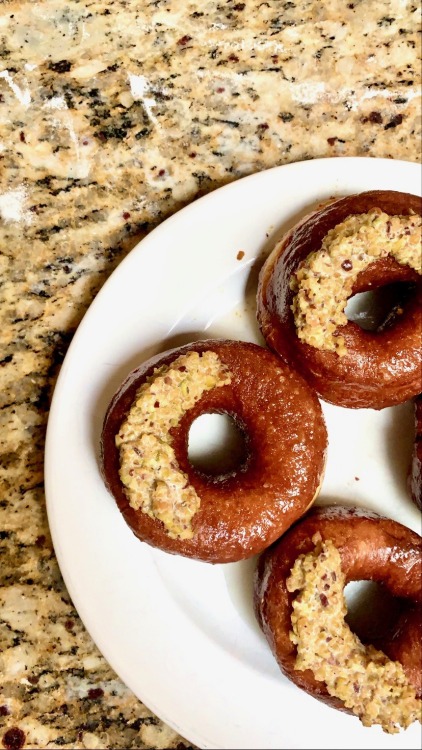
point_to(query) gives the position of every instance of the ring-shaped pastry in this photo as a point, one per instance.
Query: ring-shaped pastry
(414, 478)
(351, 245)
(172, 505)
(299, 603)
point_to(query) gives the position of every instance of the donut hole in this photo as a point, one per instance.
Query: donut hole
(217, 445)
(372, 610)
(373, 308)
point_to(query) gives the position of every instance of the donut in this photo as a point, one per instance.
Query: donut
(173, 505)
(415, 472)
(347, 246)
(299, 603)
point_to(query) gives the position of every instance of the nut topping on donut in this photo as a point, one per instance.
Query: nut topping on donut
(372, 686)
(324, 280)
(149, 469)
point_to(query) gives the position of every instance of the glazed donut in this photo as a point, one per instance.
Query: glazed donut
(313, 646)
(347, 246)
(415, 472)
(172, 505)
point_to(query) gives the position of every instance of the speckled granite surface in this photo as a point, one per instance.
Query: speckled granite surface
(112, 116)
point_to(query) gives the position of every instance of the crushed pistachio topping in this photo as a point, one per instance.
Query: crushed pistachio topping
(323, 282)
(369, 684)
(149, 470)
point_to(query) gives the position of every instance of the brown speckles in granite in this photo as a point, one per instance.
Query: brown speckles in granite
(184, 40)
(13, 739)
(374, 117)
(396, 120)
(100, 104)
(95, 694)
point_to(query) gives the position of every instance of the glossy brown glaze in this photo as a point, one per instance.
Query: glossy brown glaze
(285, 446)
(415, 472)
(381, 368)
(371, 548)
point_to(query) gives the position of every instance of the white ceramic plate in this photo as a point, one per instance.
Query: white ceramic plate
(182, 634)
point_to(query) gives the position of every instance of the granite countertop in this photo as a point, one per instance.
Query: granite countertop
(112, 116)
